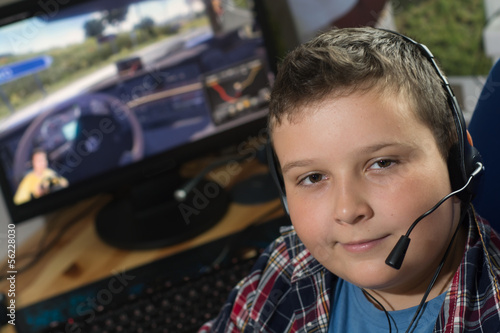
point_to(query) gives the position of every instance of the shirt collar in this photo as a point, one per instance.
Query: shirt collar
(303, 263)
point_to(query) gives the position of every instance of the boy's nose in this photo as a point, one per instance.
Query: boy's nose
(350, 204)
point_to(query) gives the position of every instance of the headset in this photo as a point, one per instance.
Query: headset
(465, 163)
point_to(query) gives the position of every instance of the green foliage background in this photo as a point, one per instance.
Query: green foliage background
(451, 29)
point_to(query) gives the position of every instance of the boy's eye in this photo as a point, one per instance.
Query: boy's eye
(382, 164)
(312, 179)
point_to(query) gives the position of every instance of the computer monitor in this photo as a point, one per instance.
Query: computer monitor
(114, 95)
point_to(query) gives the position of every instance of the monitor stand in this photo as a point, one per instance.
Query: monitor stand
(148, 216)
(257, 189)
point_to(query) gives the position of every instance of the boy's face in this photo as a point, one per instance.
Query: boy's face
(358, 171)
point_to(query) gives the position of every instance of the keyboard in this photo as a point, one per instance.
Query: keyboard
(174, 294)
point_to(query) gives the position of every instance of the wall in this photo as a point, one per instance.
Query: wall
(491, 34)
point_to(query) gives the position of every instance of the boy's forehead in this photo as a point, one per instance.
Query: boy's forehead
(352, 125)
(388, 102)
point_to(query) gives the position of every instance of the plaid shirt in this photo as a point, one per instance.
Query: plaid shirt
(289, 291)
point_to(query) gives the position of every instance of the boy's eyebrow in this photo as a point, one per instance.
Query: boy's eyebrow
(365, 150)
(379, 146)
(295, 164)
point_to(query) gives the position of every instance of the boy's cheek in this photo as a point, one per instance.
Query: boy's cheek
(320, 253)
(310, 220)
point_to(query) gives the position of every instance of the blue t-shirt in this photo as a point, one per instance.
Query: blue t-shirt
(351, 311)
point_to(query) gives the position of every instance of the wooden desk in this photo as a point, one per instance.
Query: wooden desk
(80, 257)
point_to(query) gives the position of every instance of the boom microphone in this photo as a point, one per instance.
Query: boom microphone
(397, 255)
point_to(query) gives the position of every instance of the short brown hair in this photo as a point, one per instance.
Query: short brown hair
(343, 61)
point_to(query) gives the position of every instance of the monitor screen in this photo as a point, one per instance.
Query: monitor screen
(96, 94)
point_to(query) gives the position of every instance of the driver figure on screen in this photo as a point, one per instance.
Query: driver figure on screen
(39, 181)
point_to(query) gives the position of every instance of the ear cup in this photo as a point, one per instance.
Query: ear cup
(461, 164)
(463, 157)
(472, 158)
(274, 169)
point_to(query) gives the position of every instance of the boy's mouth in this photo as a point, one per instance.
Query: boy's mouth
(363, 245)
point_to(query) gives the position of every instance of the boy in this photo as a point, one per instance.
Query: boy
(362, 130)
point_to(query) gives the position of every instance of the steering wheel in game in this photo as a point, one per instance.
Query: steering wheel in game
(81, 109)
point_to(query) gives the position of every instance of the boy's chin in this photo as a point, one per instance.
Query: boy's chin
(374, 275)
